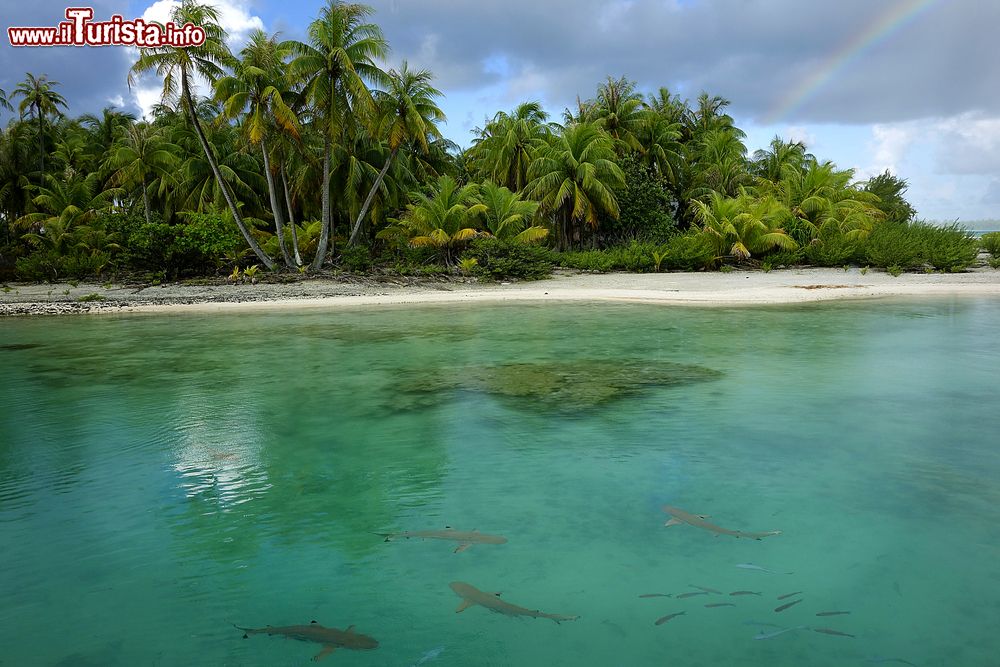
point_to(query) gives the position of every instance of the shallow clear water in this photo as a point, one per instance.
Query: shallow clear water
(164, 477)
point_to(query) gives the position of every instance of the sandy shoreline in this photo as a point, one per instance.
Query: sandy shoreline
(698, 289)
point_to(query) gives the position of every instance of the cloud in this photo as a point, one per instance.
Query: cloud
(992, 196)
(754, 53)
(91, 78)
(969, 144)
(88, 77)
(234, 18)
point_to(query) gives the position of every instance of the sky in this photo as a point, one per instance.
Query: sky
(905, 85)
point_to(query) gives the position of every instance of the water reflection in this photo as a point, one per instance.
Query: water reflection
(219, 471)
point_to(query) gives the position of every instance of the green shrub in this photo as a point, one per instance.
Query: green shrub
(784, 258)
(636, 257)
(501, 260)
(356, 259)
(688, 252)
(209, 239)
(39, 266)
(587, 260)
(895, 245)
(949, 248)
(911, 245)
(830, 248)
(645, 206)
(991, 243)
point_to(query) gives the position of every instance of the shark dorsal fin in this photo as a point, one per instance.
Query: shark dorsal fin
(498, 594)
(350, 629)
(312, 623)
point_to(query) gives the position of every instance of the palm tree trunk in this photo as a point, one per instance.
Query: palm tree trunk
(291, 214)
(145, 201)
(371, 196)
(279, 218)
(324, 235)
(41, 143)
(251, 241)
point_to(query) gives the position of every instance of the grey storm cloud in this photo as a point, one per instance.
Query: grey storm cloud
(754, 52)
(89, 77)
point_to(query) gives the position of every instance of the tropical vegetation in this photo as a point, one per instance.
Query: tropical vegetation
(310, 156)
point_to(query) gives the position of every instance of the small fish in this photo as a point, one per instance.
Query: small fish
(832, 613)
(657, 595)
(772, 635)
(880, 659)
(720, 604)
(828, 631)
(614, 626)
(664, 619)
(744, 593)
(751, 566)
(788, 595)
(706, 589)
(690, 595)
(430, 655)
(788, 604)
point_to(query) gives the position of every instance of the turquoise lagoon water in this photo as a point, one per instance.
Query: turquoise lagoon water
(162, 478)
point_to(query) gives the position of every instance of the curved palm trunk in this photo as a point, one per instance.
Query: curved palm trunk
(279, 218)
(324, 235)
(251, 241)
(291, 215)
(371, 197)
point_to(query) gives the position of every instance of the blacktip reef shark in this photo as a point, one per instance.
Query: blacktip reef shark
(465, 537)
(473, 596)
(679, 516)
(330, 638)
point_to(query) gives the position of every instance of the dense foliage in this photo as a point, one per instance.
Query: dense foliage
(307, 155)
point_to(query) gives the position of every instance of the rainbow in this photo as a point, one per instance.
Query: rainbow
(893, 20)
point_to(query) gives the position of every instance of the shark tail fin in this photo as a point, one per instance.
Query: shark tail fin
(387, 536)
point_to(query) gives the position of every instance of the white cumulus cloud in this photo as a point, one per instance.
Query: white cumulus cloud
(234, 17)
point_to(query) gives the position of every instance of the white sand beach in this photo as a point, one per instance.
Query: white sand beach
(693, 289)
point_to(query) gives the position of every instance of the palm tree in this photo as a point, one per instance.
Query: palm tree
(771, 163)
(442, 220)
(658, 145)
(141, 158)
(176, 66)
(104, 129)
(70, 201)
(408, 114)
(618, 110)
(42, 101)
(574, 177)
(506, 147)
(257, 86)
(334, 68)
(506, 215)
(741, 226)
(4, 102)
